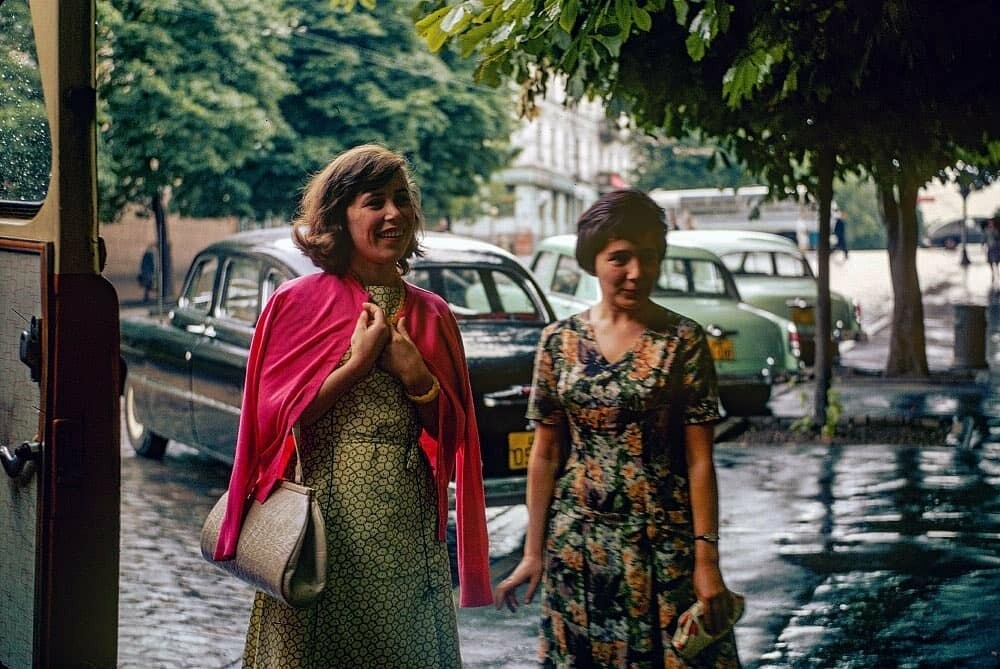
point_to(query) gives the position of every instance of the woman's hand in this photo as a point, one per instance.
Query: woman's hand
(371, 333)
(402, 359)
(528, 570)
(711, 591)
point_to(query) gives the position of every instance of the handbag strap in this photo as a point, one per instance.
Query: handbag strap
(298, 454)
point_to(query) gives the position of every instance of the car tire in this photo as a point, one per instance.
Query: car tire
(746, 400)
(950, 243)
(144, 442)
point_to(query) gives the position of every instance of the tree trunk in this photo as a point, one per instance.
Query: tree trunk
(163, 251)
(824, 173)
(907, 345)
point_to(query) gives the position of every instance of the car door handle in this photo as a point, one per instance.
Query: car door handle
(719, 332)
(201, 329)
(14, 460)
(512, 396)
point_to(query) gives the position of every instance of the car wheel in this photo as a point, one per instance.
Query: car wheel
(144, 442)
(748, 400)
(950, 243)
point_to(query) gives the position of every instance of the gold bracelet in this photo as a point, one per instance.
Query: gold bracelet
(427, 397)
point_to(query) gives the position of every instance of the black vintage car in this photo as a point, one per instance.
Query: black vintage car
(186, 368)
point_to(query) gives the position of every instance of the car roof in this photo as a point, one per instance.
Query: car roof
(439, 247)
(567, 244)
(729, 241)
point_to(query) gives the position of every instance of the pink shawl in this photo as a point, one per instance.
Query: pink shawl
(301, 336)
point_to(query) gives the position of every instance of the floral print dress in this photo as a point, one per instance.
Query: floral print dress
(620, 546)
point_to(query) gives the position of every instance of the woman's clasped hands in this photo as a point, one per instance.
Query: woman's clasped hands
(376, 341)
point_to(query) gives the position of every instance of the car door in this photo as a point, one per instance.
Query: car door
(218, 362)
(162, 374)
(565, 285)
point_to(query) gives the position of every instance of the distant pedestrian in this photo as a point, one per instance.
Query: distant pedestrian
(147, 272)
(839, 234)
(991, 240)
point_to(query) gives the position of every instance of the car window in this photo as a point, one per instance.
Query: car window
(543, 267)
(200, 285)
(274, 278)
(757, 262)
(673, 276)
(240, 298)
(733, 262)
(786, 264)
(691, 276)
(567, 276)
(478, 292)
(707, 278)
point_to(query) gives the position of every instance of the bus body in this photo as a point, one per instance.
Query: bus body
(59, 424)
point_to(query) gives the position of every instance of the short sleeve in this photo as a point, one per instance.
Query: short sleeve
(700, 379)
(544, 405)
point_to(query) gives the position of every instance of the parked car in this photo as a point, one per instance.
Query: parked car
(949, 235)
(772, 273)
(752, 348)
(185, 369)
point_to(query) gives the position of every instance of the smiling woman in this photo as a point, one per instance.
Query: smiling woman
(382, 414)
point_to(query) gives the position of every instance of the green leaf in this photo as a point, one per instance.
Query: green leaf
(643, 20)
(567, 19)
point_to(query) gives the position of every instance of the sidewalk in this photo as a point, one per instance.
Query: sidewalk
(959, 386)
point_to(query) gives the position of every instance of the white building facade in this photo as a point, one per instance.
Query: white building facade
(568, 157)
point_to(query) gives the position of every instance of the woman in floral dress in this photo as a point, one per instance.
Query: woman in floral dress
(622, 493)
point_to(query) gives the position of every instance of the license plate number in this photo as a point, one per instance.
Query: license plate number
(804, 316)
(518, 449)
(722, 349)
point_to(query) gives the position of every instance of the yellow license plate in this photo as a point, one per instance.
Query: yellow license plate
(804, 316)
(722, 349)
(518, 448)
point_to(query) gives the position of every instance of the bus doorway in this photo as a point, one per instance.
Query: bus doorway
(59, 420)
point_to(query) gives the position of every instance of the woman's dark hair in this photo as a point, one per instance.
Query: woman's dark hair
(627, 214)
(320, 229)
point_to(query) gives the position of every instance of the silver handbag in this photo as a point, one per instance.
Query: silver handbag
(282, 545)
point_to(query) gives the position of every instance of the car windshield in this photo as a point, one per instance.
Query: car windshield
(689, 276)
(478, 293)
(766, 263)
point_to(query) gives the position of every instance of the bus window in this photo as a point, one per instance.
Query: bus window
(24, 128)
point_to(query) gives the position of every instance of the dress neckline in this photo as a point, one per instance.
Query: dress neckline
(591, 335)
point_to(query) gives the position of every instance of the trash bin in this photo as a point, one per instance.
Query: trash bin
(970, 336)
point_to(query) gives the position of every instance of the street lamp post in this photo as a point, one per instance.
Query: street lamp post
(964, 189)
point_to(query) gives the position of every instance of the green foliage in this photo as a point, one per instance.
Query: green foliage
(363, 77)
(856, 198)
(188, 94)
(805, 425)
(686, 163)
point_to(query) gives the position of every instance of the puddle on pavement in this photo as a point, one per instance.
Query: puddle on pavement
(905, 545)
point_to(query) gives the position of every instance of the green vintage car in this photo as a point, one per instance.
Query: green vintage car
(772, 273)
(752, 348)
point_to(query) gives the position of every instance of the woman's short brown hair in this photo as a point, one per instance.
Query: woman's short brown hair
(627, 214)
(320, 229)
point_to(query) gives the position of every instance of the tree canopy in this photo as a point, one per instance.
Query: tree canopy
(232, 105)
(188, 94)
(802, 91)
(366, 77)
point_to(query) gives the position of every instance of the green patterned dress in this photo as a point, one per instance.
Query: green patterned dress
(620, 523)
(388, 601)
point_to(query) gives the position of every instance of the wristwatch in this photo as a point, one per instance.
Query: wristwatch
(710, 537)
